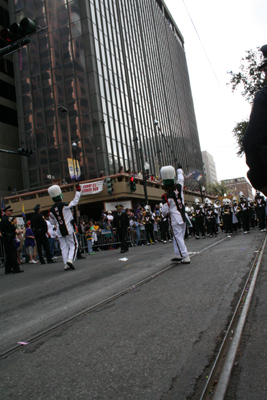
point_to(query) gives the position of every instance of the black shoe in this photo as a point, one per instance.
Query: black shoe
(51, 262)
(80, 257)
(122, 251)
(176, 259)
(8, 272)
(43, 263)
(17, 272)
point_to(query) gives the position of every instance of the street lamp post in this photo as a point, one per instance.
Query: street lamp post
(143, 171)
(74, 147)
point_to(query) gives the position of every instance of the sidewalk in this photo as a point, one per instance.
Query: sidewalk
(249, 376)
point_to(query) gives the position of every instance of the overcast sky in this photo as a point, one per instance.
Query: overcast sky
(225, 30)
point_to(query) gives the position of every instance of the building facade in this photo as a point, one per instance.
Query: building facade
(238, 185)
(209, 168)
(114, 67)
(10, 165)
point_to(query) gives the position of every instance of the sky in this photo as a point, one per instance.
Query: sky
(215, 43)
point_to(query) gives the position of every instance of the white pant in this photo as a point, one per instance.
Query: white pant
(69, 247)
(178, 239)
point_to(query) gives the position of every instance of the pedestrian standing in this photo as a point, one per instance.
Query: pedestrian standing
(30, 243)
(89, 230)
(8, 231)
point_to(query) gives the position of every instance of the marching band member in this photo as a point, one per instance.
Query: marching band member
(236, 215)
(149, 225)
(211, 221)
(244, 213)
(173, 206)
(260, 211)
(199, 220)
(61, 215)
(227, 216)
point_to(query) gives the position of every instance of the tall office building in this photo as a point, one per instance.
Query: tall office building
(10, 165)
(209, 167)
(99, 75)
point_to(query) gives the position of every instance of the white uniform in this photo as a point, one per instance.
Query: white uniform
(178, 227)
(61, 216)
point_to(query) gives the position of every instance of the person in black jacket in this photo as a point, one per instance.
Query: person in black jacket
(121, 224)
(8, 231)
(39, 228)
(255, 137)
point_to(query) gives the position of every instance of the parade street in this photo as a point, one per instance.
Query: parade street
(152, 343)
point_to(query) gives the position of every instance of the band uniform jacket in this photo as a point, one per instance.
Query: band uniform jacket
(121, 221)
(61, 215)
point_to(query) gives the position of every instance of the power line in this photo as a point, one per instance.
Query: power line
(206, 54)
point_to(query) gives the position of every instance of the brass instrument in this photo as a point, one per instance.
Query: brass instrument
(221, 223)
(226, 211)
(217, 203)
(193, 214)
(238, 209)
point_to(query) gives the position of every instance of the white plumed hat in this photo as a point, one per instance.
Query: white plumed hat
(168, 175)
(55, 193)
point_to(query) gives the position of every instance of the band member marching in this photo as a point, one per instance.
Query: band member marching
(260, 211)
(211, 221)
(173, 206)
(148, 221)
(61, 215)
(244, 213)
(199, 220)
(227, 216)
(236, 211)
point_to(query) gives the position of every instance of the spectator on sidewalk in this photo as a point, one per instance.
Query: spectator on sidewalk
(30, 243)
(89, 229)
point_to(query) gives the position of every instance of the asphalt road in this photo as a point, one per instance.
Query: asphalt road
(152, 343)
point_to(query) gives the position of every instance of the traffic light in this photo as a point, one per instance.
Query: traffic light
(132, 184)
(24, 152)
(16, 35)
(109, 185)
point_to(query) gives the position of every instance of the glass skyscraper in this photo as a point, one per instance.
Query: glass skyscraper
(115, 66)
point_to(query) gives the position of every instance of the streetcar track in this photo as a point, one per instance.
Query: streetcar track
(94, 307)
(219, 376)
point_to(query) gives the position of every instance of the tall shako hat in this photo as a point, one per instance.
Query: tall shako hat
(264, 61)
(55, 193)
(168, 175)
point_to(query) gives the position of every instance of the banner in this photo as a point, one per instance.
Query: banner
(196, 175)
(75, 172)
(92, 188)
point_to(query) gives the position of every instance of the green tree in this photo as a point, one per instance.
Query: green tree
(217, 189)
(250, 80)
